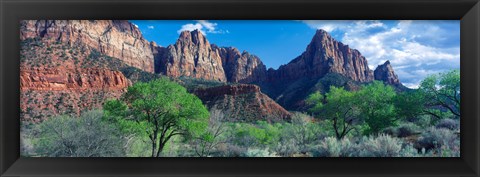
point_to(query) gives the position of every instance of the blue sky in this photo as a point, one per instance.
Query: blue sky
(414, 48)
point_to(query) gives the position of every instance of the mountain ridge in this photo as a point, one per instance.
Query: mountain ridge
(192, 55)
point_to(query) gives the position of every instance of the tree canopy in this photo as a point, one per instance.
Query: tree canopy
(442, 90)
(340, 107)
(164, 108)
(375, 102)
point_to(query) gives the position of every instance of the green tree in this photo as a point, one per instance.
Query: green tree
(165, 109)
(116, 113)
(410, 104)
(86, 136)
(442, 90)
(375, 103)
(340, 107)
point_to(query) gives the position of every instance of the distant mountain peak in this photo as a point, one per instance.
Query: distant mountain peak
(325, 55)
(385, 73)
(196, 37)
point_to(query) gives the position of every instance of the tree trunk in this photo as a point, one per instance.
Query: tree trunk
(160, 148)
(154, 146)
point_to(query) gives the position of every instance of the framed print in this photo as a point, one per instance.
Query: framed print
(243, 88)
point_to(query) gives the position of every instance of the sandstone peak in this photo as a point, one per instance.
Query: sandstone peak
(325, 55)
(195, 37)
(242, 67)
(322, 33)
(321, 37)
(385, 73)
(191, 56)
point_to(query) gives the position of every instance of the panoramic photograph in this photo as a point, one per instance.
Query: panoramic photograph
(240, 88)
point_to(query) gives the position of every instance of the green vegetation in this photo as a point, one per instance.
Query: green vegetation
(86, 136)
(161, 118)
(376, 109)
(442, 90)
(195, 83)
(164, 108)
(339, 107)
(375, 105)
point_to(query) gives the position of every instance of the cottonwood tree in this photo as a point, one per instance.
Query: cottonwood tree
(442, 90)
(375, 103)
(340, 107)
(166, 109)
(410, 104)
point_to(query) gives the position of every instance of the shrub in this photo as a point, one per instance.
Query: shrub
(435, 138)
(392, 131)
(229, 150)
(259, 153)
(86, 136)
(424, 121)
(27, 138)
(448, 124)
(332, 147)
(381, 146)
(286, 147)
(407, 129)
(302, 131)
(409, 151)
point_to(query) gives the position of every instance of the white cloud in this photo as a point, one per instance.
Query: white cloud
(411, 85)
(150, 27)
(345, 25)
(191, 27)
(414, 48)
(209, 26)
(203, 26)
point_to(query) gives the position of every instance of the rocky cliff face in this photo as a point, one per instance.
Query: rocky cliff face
(115, 38)
(53, 79)
(325, 55)
(243, 102)
(193, 56)
(291, 83)
(385, 73)
(70, 66)
(47, 92)
(62, 74)
(241, 67)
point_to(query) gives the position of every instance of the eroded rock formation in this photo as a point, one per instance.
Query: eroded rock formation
(243, 102)
(385, 73)
(53, 79)
(325, 55)
(116, 38)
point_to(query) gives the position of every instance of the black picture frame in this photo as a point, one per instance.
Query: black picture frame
(12, 11)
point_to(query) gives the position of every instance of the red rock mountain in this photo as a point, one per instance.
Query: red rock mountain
(68, 66)
(54, 79)
(193, 55)
(243, 102)
(72, 65)
(242, 67)
(385, 73)
(325, 55)
(63, 69)
(53, 91)
(115, 38)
